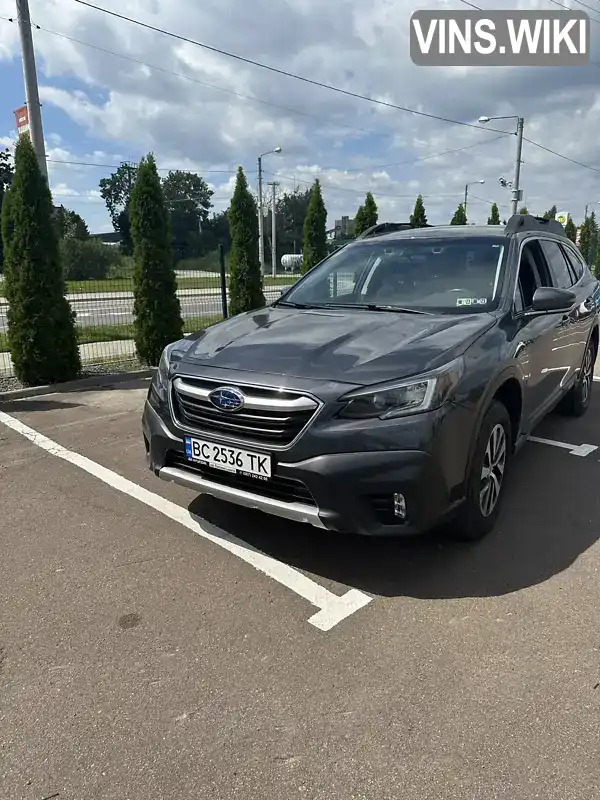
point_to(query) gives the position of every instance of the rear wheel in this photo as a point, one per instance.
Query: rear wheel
(485, 483)
(577, 401)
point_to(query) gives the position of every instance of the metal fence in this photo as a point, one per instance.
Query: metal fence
(104, 316)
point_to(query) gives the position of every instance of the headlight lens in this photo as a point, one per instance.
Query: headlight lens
(172, 352)
(403, 397)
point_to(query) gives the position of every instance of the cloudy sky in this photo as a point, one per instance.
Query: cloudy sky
(119, 91)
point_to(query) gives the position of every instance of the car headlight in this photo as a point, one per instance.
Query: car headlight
(400, 398)
(173, 352)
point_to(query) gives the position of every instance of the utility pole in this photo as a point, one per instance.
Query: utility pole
(261, 221)
(274, 186)
(466, 196)
(32, 95)
(516, 188)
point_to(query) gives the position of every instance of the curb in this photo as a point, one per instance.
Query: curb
(93, 381)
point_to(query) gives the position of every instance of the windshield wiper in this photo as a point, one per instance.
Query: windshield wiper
(362, 306)
(376, 307)
(399, 309)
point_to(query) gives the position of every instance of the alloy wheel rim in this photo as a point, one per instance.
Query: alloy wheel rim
(586, 375)
(492, 473)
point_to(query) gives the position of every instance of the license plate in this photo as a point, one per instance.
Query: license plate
(229, 459)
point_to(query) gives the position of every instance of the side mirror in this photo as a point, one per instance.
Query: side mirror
(547, 299)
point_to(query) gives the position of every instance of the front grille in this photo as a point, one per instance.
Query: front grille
(268, 416)
(288, 490)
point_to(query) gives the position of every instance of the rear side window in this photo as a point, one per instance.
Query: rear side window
(575, 262)
(561, 274)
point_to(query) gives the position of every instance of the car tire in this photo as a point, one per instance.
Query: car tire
(487, 477)
(577, 401)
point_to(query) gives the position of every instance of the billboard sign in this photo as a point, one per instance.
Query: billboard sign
(22, 120)
(562, 217)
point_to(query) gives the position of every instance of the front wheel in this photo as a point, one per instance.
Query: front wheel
(486, 479)
(577, 401)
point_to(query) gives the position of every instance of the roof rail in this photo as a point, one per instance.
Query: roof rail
(520, 223)
(388, 227)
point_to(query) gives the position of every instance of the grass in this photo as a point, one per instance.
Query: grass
(126, 284)
(117, 333)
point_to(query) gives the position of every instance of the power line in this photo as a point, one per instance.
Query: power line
(363, 97)
(323, 169)
(560, 155)
(278, 71)
(562, 5)
(203, 83)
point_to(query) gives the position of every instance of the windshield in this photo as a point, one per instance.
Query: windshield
(453, 275)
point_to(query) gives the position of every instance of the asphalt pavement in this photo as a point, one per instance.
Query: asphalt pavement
(158, 645)
(116, 308)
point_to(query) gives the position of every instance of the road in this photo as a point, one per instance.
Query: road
(158, 645)
(116, 308)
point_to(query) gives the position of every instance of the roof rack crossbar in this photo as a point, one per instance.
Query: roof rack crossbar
(519, 223)
(381, 228)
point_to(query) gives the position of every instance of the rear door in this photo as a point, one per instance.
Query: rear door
(573, 328)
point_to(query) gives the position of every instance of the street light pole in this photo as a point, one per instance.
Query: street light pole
(261, 222)
(473, 183)
(261, 232)
(516, 188)
(516, 185)
(32, 95)
(274, 186)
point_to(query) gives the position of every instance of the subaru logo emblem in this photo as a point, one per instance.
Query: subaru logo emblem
(226, 398)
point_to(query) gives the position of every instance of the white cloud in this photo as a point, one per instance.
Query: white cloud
(351, 145)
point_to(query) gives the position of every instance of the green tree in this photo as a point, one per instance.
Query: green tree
(315, 235)
(523, 210)
(359, 221)
(291, 211)
(588, 239)
(41, 325)
(116, 193)
(571, 230)
(460, 217)
(156, 307)
(418, 218)
(6, 176)
(215, 231)
(366, 215)
(551, 213)
(70, 225)
(87, 259)
(494, 217)
(188, 201)
(245, 275)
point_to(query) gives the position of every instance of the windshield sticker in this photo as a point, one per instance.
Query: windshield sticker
(472, 301)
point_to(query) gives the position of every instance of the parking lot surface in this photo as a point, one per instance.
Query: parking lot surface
(158, 645)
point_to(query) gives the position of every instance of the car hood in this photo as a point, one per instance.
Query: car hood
(352, 346)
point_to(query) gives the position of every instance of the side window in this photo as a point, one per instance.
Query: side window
(532, 274)
(559, 268)
(575, 262)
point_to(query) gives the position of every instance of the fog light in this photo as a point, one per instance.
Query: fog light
(399, 506)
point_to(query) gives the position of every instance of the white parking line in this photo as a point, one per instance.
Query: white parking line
(332, 608)
(574, 449)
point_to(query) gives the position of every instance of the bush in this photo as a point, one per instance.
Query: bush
(41, 325)
(87, 259)
(156, 308)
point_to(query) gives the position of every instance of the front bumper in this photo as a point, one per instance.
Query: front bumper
(345, 492)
